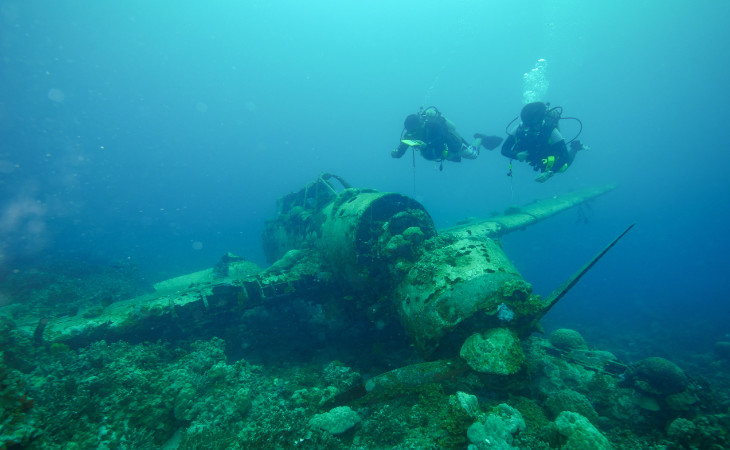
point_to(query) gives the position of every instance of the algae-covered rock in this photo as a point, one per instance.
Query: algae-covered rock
(579, 433)
(18, 427)
(682, 401)
(497, 352)
(569, 400)
(567, 339)
(336, 421)
(682, 431)
(497, 430)
(468, 402)
(659, 376)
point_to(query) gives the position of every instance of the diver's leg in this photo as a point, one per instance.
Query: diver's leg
(469, 151)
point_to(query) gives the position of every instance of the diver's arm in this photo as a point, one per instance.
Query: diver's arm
(402, 146)
(399, 151)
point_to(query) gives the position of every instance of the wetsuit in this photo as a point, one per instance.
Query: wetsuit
(545, 147)
(441, 141)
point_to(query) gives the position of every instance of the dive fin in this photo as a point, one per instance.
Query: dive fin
(489, 142)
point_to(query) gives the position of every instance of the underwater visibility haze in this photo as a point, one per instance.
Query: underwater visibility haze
(146, 149)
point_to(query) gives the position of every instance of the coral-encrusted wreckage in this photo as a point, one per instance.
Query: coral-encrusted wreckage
(440, 322)
(453, 291)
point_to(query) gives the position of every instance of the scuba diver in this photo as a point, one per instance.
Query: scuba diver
(537, 140)
(435, 136)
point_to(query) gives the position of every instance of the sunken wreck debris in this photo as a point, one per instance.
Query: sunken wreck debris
(330, 242)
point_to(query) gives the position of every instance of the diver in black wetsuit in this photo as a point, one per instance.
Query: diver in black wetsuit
(436, 138)
(537, 141)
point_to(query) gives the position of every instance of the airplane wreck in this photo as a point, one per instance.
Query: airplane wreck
(454, 291)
